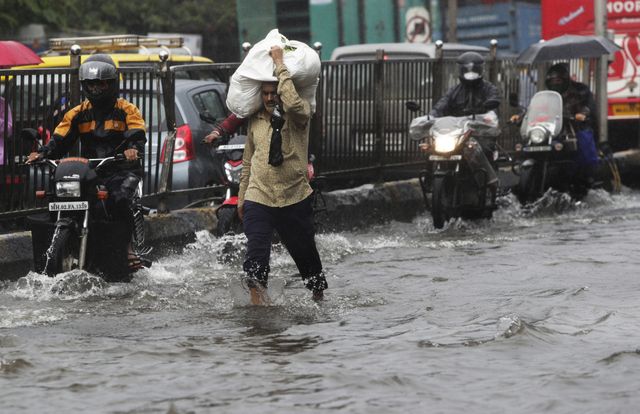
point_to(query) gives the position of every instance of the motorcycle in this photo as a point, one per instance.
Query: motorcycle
(547, 155)
(79, 231)
(457, 189)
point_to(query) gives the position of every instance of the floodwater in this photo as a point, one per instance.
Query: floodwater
(534, 311)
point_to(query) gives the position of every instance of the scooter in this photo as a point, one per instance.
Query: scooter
(547, 154)
(230, 155)
(457, 189)
(79, 231)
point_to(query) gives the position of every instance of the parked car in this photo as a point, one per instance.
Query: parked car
(126, 51)
(397, 51)
(198, 105)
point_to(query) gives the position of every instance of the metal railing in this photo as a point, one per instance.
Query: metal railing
(360, 125)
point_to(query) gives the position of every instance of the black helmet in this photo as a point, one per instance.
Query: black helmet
(558, 78)
(470, 67)
(99, 79)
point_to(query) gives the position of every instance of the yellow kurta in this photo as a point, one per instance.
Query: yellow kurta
(287, 183)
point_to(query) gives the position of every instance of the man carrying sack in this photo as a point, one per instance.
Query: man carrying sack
(274, 189)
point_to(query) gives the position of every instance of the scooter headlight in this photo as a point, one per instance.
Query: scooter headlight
(68, 189)
(233, 172)
(444, 143)
(538, 136)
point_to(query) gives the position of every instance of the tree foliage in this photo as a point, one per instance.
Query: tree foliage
(215, 20)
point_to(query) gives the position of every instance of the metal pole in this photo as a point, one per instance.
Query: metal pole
(452, 24)
(493, 61)
(315, 138)
(75, 75)
(164, 186)
(438, 74)
(379, 122)
(362, 25)
(600, 12)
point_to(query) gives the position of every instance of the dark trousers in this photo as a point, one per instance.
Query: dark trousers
(294, 224)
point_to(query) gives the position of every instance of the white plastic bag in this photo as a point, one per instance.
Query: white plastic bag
(302, 62)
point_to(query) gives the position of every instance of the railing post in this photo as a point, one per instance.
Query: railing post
(246, 47)
(74, 80)
(493, 61)
(379, 121)
(315, 139)
(438, 74)
(167, 79)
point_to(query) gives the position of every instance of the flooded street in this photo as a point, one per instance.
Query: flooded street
(535, 311)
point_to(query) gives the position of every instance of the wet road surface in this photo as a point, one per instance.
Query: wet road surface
(534, 311)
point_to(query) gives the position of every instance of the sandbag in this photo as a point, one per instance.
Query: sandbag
(302, 62)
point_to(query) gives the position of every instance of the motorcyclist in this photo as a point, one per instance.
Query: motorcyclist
(472, 96)
(105, 125)
(579, 107)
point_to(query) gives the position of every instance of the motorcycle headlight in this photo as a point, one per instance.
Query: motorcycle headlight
(444, 143)
(233, 172)
(68, 189)
(538, 136)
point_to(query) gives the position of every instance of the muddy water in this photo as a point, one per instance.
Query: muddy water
(535, 311)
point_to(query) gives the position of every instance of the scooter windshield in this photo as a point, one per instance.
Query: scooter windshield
(449, 124)
(545, 110)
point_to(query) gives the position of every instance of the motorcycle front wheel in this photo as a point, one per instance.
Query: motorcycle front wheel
(62, 255)
(439, 202)
(529, 186)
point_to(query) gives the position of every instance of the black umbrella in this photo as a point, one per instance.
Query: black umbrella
(567, 47)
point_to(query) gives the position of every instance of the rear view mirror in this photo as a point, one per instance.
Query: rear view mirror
(208, 118)
(412, 106)
(29, 136)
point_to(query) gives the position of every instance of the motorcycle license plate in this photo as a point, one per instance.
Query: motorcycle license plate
(231, 147)
(445, 158)
(69, 206)
(541, 148)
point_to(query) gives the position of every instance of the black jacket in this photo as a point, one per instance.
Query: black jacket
(465, 98)
(579, 99)
(100, 136)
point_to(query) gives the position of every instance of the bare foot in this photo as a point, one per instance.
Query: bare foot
(258, 296)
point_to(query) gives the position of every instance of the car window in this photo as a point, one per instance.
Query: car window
(210, 101)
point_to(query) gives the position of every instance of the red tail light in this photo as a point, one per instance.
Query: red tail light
(183, 149)
(12, 180)
(40, 194)
(103, 194)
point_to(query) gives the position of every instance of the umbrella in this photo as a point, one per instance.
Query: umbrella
(16, 54)
(567, 47)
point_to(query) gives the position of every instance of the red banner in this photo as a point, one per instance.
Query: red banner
(577, 17)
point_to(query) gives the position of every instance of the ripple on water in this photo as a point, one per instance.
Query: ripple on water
(13, 366)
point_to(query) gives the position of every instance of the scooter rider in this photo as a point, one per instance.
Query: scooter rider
(579, 106)
(473, 95)
(105, 125)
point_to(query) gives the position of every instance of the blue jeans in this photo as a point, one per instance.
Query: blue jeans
(294, 224)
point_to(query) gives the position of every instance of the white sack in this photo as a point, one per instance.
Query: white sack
(244, 96)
